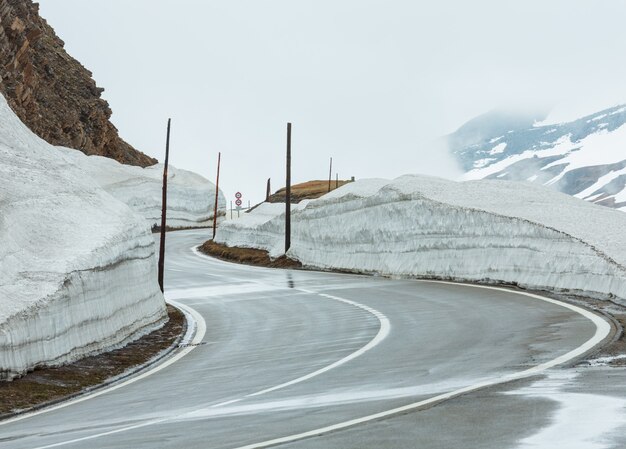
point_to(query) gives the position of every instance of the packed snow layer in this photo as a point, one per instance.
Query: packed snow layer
(488, 231)
(190, 197)
(77, 266)
(236, 232)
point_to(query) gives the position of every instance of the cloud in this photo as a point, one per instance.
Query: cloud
(371, 83)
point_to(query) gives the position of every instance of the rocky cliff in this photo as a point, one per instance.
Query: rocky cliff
(51, 92)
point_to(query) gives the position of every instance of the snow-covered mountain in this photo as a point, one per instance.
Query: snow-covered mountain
(585, 158)
(417, 226)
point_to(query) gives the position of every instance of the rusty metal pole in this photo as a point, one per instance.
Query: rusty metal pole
(268, 190)
(217, 191)
(288, 192)
(330, 173)
(336, 180)
(164, 207)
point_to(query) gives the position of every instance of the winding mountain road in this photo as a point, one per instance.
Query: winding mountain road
(317, 360)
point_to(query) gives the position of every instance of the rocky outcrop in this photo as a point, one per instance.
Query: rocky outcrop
(51, 92)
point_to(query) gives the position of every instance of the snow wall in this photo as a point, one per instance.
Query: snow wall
(190, 197)
(77, 267)
(486, 231)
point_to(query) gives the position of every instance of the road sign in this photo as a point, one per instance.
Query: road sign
(238, 195)
(238, 202)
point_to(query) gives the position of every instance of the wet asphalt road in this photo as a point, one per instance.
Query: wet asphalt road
(286, 352)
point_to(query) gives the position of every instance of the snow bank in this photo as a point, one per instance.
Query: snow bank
(190, 197)
(237, 232)
(77, 267)
(488, 231)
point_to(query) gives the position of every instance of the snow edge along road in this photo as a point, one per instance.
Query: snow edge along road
(196, 329)
(383, 332)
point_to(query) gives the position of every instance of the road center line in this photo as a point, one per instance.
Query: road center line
(603, 329)
(383, 331)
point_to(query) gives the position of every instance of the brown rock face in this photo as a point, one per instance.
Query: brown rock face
(51, 92)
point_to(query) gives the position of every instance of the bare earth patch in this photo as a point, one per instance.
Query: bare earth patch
(44, 386)
(157, 229)
(613, 354)
(249, 256)
(305, 191)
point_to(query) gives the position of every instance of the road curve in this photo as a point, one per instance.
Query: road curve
(287, 353)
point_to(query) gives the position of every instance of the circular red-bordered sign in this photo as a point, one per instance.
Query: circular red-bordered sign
(238, 195)
(238, 202)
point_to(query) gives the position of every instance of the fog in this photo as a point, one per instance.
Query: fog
(374, 84)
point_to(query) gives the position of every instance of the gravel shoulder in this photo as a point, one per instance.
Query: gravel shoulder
(49, 385)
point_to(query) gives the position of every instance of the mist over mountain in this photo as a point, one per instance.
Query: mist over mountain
(585, 158)
(493, 123)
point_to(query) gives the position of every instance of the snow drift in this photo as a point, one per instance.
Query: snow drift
(488, 231)
(77, 267)
(190, 197)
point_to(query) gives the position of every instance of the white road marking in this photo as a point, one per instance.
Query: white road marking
(383, 331)
(110, 432)
(196, 328)
(603, 329)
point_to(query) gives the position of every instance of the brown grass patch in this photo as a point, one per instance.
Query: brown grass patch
(248, 256)
(49, 385)
(157, 229)
(305, 191)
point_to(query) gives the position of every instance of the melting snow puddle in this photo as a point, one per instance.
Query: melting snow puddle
(582, 421)
(329, 399)
(604, 361)
(219, 290)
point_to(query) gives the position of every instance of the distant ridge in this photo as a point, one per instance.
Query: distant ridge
(585, 158)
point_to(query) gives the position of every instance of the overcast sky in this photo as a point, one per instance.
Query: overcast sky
(371, 83)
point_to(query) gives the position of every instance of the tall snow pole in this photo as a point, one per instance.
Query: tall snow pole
(336, 180)
(217, 191)
(288, 192)
(268, 190)
(330, 173)
(164, 207)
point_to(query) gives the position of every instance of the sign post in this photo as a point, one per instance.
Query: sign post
(238, 202)
(288, 192)
(330, 173)
(217, 190)
(161, 265)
